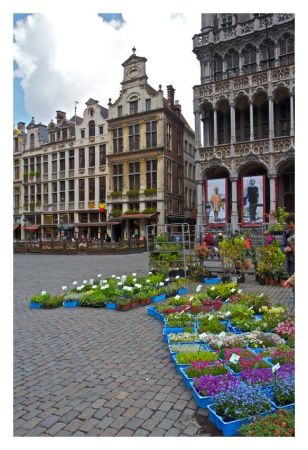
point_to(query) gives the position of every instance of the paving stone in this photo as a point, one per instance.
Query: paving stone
(125, 432)
(131, 412)
(55, 428)
(158, 432)
(173, 414)
(74, 425)
(86, 414)
(172, 432)
(87, 425)
(35, 432)
(165, 424)
(101, 413)
(141, 432)
(105, 422)
(109, 432)
(120, 422)
(165, 406)
(144, 414)
(49, 421)
(134, 423)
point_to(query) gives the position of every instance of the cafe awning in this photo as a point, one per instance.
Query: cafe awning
(15, 226)
(137, 216)
(31, 228)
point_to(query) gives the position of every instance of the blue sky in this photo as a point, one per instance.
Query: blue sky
(20, 114)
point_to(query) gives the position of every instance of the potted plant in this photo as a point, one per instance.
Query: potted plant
(281, 423)
(115, 194)
(72, 299)
(230, 410)
(270, 264)
(284, 393)
(286, 329)
(150, 191)
(205, 387)
(132, 193)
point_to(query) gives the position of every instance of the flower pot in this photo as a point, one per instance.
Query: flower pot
(182, 291)
(196, 309)
(216, 280)
(158, 298)
(71, 303)
(111, 305)
(201, 401)
(246, 264)
(151, 310)
(35, 305)
(262, 281)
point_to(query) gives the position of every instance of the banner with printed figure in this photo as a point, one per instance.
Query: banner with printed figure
(253, 199)
(216, 196)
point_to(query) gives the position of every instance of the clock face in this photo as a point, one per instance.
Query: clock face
(133, 72)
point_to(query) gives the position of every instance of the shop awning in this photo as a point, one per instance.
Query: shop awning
(110, 223)
(31, 228)
(15, 226)
(137, 216)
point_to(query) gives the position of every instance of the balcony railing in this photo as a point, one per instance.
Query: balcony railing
(62, 206)
(62, 174)
(45, 208)
(71, 206)
(71, 173)
(54, 207)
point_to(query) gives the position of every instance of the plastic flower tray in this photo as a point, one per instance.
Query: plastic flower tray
(202, 402)
(185, 378)
(35, 305)
(256, 351)
(230, 428)
(111, 305)
(182, 291)
(289, 407)
(170, 342)
(151, 311)
(176, 365)
(212, 280)
(71, 303)
(236, 374)
(268, 360)
(258, 316)
(158, 298)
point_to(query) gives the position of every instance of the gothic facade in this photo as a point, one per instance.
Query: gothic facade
(244, 108)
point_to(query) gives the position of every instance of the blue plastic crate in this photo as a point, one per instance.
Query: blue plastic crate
(151, 311)
(158, 298)
(258, 316)
(202, 402)
(182, 291)
(71, 303)
(289, 407)
(185, 378)
(230, 428)
(212, 280)
(35, 305)
(256, 351)
(268, 360)
(111, 305)
(168, 330)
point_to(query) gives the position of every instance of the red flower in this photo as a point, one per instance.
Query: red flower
(276, 422)
(277, 433)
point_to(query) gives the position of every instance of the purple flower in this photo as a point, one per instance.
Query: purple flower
(210, 385)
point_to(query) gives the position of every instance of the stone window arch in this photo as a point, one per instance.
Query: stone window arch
(267, 53)
(226, 20)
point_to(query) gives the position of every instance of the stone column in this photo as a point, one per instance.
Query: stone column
(198, 173)
(271, 118)
(273, 200)
(232, 121)
(291, 115)
(242, 126)
(251, 121)
(215, 128)
(259, 134)
(96, 191)
(234, 210)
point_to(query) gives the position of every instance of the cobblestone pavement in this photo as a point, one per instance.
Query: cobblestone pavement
(95, 372)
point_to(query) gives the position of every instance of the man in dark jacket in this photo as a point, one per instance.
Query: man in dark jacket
(287, 250)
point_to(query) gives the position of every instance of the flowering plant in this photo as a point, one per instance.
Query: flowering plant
(281, 423)
(184, 337)
(286, 330)
(247, 360)
(281, 354)
(243, 401)
(212, 304)
(209, 385)
(211, 324)
(202, 251)
(198, 368)
(189, 357)
(180, 348)
(284, 391)
(179, 320)
(254, 301)
(265, 376)
(257, 339)
(228, 340)
(224, 290)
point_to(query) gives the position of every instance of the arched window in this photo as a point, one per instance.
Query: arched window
(217, 67)
(91, 128)
(249, 55)
(287, 49)
(32, 140)
(267, 54)
(232, 59)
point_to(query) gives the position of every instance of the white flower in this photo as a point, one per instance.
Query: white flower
(177, 296)
(120, 283)
(99, 275)
(105, 281)
(79, 288)
(239, 291)
(232, 290)
(64, 288)
(148, 281)
(94, 286)
(85, 281)
(134, 274)
(82, 286)
(161, 284)
(178, 276)
(74, 283)
(44, 292)
(150, 273)
(261, 295)
(213, 288)
(113, 276)
(134, 280)
(167, 279)
(138, 285)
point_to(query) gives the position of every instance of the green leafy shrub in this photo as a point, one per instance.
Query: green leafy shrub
(202, 355)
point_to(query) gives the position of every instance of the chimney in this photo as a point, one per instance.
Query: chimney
(21, 126)
(177, 108)
(170, 96)
(60, 116)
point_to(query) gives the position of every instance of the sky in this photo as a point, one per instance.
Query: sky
(52, 69)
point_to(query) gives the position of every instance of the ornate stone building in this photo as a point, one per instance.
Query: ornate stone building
(145, 155)
(244, 107)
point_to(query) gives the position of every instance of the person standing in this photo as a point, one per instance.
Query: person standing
(253, 197)
(286, 247)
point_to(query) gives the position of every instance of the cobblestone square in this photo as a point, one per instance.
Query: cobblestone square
(96, 372)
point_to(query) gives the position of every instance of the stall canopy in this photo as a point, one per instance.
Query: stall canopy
(31, 228)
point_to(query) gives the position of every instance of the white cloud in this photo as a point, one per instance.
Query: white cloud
(62, 59)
